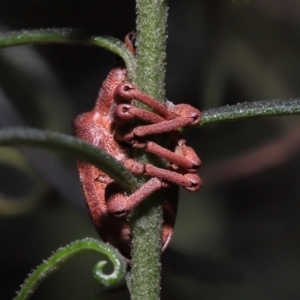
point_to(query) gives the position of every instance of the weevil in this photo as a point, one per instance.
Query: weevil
(109, 126)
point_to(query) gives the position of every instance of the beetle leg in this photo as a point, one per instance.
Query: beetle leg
(126, 92)
(183, 157)
(120, 204)
(189, 181)
(163, 127)
(126, 112)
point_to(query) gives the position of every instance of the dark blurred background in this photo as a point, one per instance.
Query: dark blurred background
(238, 237)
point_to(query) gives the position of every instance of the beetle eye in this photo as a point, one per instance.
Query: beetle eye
(131, 41)
(132, 38)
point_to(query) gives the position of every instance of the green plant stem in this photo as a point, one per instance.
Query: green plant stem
(147, 219)
(77, 147)
(62, 255)
(68, 36)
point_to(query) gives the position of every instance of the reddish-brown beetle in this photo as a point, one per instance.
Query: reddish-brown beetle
(108, 204)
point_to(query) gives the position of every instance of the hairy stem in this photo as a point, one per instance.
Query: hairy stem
(147, 219)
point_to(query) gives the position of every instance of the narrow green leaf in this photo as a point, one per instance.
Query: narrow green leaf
(68, 36)
(62, 255)
(80, 149)
(251, 109)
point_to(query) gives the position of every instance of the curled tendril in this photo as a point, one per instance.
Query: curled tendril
(62, 255)
(112, 278)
